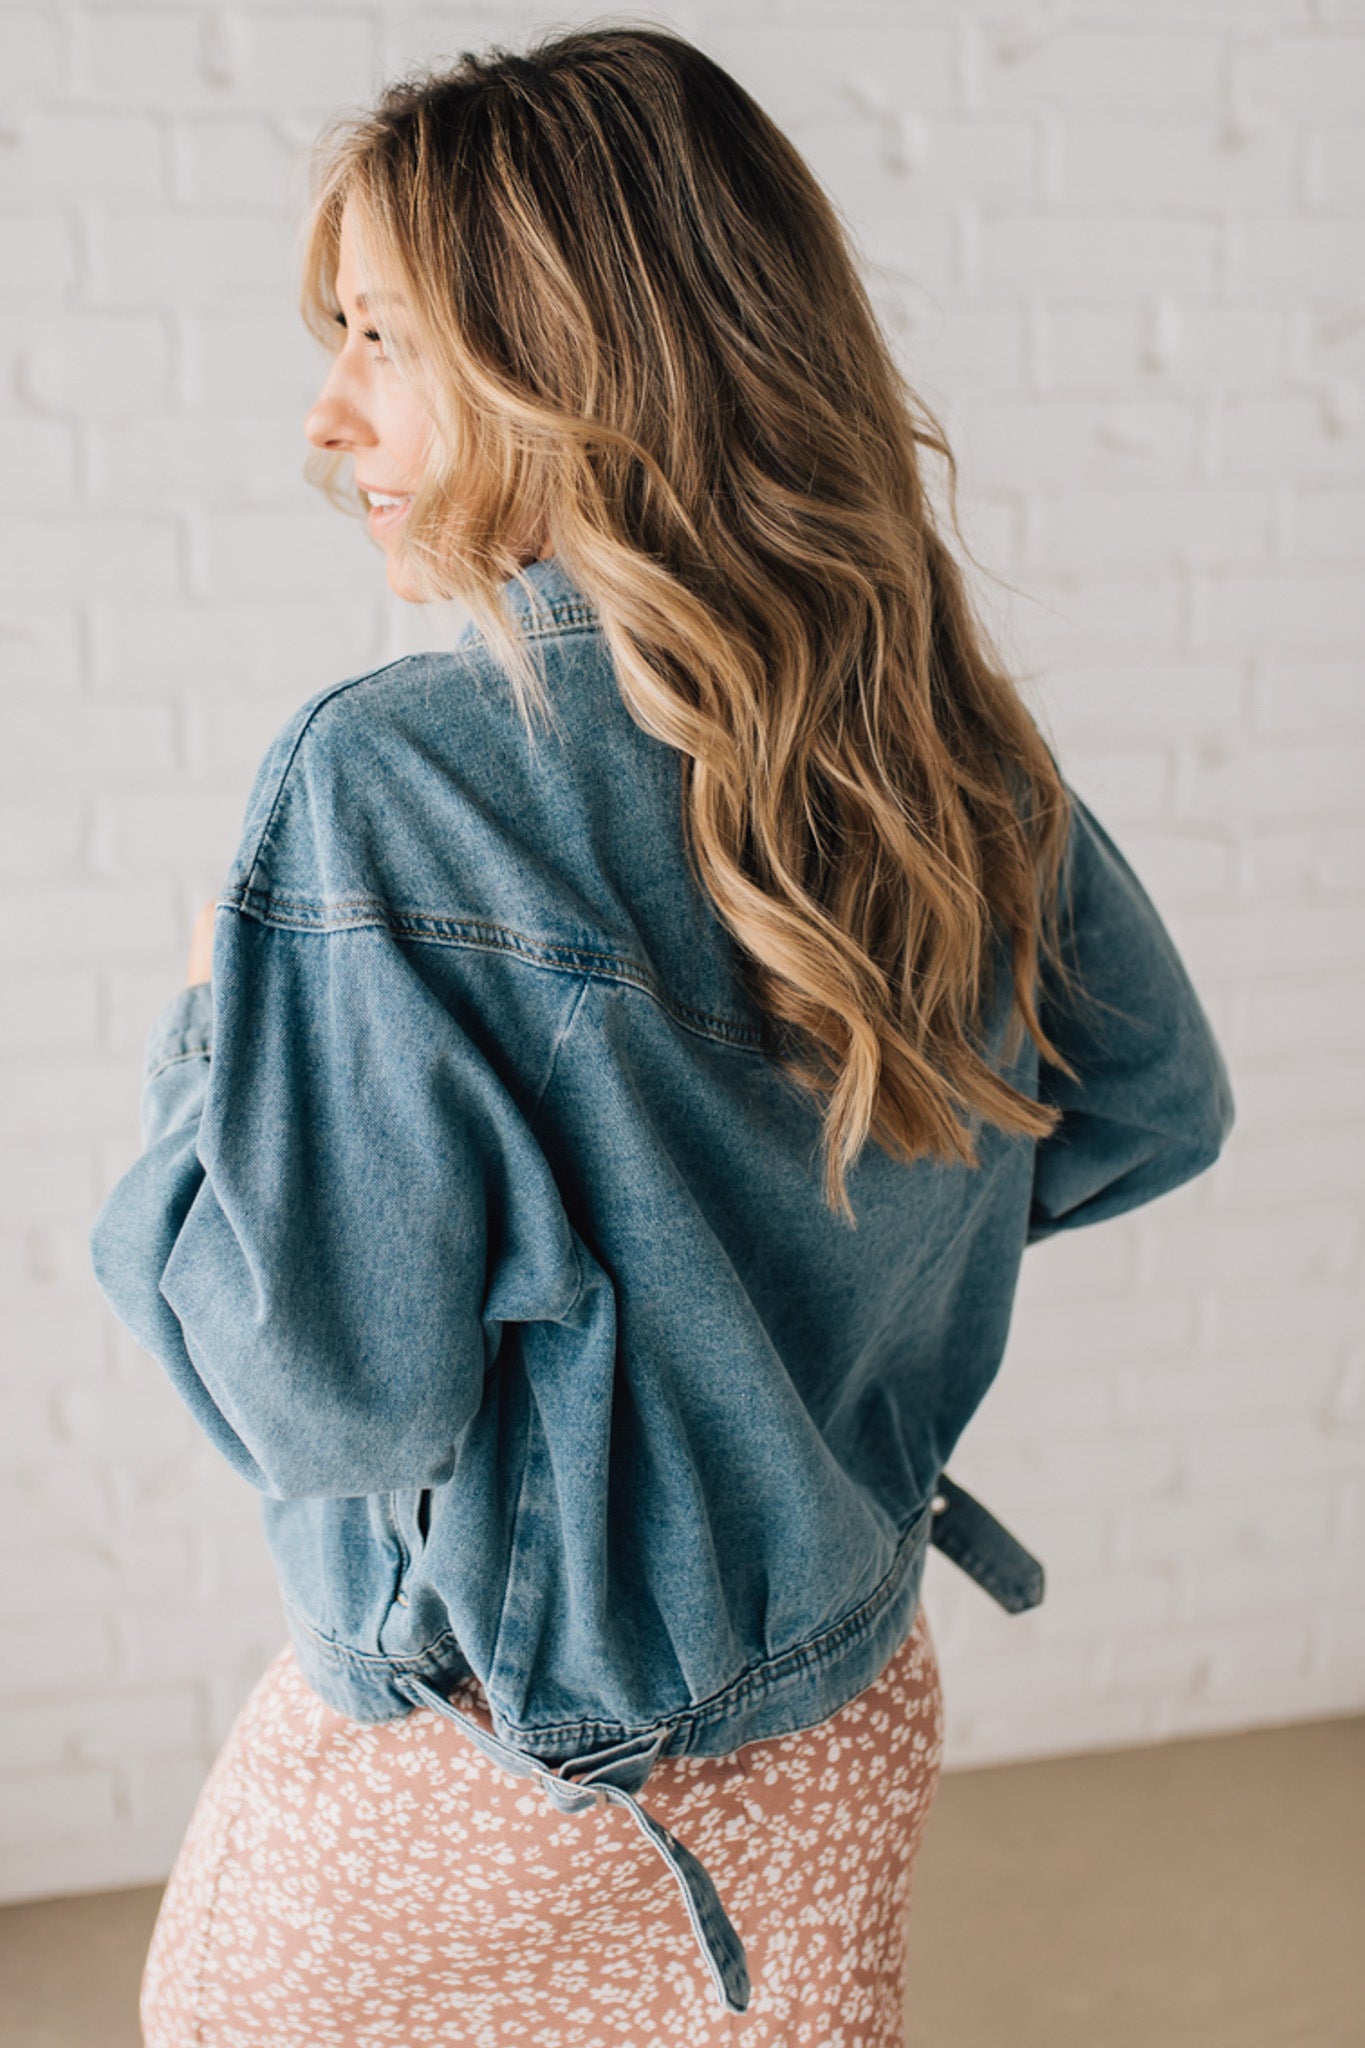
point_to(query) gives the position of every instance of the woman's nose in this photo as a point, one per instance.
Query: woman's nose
(334, 423)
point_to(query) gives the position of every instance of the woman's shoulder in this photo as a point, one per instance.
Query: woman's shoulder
(416, 786)
(337, 761)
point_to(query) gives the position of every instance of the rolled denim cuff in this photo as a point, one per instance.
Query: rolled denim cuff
(183, 1029)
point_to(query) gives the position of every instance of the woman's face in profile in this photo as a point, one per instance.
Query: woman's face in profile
(366, 407)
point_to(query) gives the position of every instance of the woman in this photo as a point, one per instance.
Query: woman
(586, 1173)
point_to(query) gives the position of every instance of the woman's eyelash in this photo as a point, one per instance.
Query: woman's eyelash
(366, 333)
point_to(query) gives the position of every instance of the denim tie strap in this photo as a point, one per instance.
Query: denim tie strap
(983, 1547)
(959, 1526)
(616, 1774)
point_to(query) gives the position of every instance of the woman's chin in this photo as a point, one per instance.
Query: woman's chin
(399, 585)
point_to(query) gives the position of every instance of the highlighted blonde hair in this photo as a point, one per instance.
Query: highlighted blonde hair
(640, 332)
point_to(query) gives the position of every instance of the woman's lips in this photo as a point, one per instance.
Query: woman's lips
(383, 518)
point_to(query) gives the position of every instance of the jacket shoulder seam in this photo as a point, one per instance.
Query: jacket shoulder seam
(484, 934)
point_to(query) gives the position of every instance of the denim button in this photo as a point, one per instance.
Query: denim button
(939, 1503)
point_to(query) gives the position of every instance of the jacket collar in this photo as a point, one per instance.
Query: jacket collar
(553, 588)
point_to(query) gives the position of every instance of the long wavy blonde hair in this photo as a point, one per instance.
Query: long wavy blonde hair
(638, 327)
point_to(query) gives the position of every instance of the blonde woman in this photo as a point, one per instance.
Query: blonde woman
(586, 1172)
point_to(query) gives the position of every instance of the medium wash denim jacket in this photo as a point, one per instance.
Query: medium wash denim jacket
(478, 1228)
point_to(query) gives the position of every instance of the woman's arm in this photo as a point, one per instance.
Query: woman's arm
(1152, 1104)
(337, 1205)
(339, 1200)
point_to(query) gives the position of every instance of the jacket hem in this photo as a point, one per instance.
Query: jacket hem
(796, 1690)
(782, 1695)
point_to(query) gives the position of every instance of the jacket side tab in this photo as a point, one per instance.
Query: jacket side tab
(984, 1548)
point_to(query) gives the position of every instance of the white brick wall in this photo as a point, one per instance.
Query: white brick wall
(1119, 246)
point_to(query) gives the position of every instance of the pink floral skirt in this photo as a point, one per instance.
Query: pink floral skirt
(351, 1886)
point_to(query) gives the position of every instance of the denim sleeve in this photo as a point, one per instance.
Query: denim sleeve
(1152, 1104)
(337, 1206)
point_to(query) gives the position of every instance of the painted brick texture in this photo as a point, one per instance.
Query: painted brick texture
(1118, 247)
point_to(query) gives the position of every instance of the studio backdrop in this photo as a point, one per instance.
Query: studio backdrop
(1118, 248)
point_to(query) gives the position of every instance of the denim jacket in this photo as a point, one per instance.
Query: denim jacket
(478, 1228)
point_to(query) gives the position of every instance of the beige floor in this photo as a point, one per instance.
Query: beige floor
(1204, 1894)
